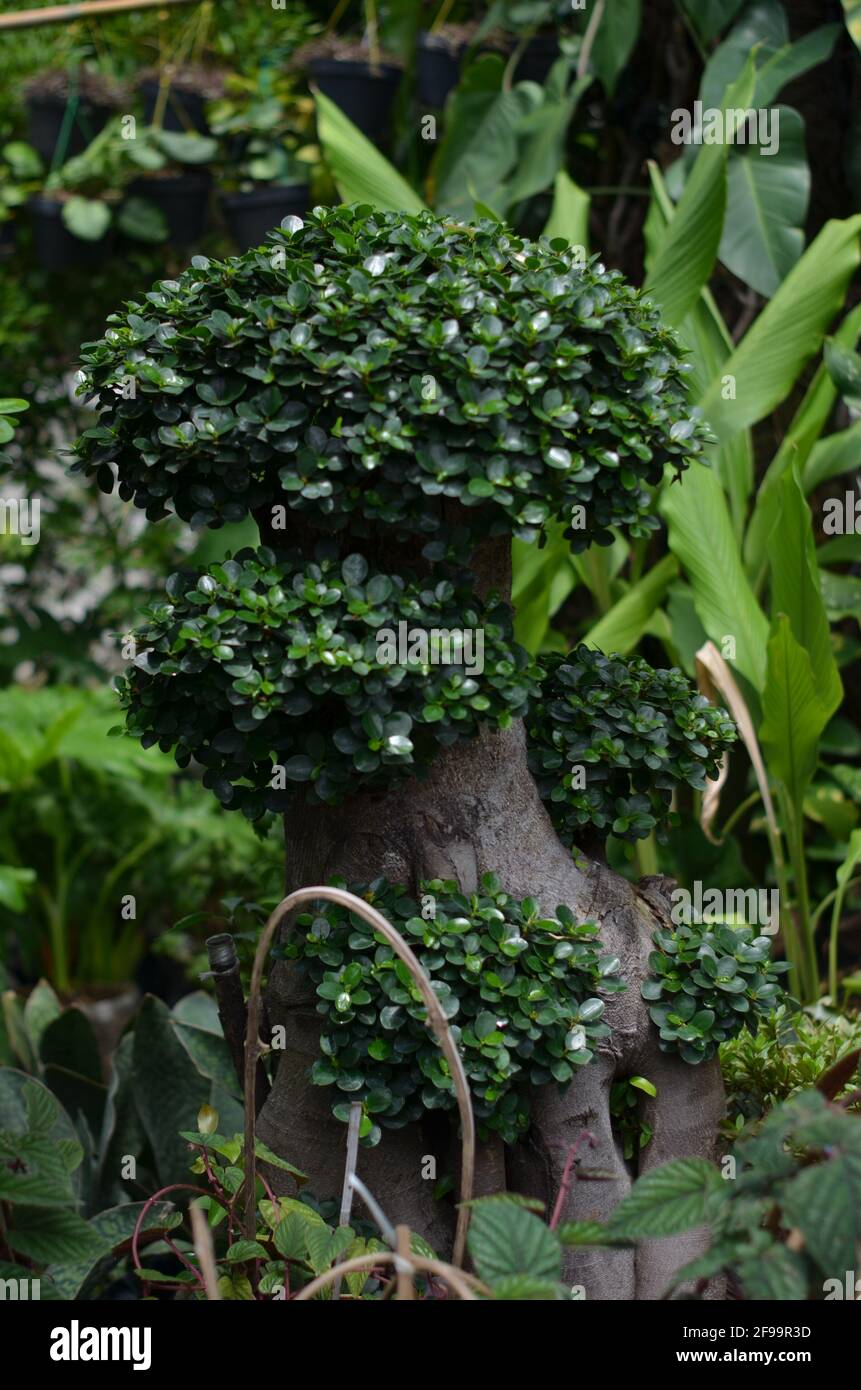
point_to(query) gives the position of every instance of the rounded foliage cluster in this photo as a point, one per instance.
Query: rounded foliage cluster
(284, 673)
(365, 366)
(707, 982)
(611, 739)
(521, 991)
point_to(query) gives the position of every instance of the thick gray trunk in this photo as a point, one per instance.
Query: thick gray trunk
(479, 811)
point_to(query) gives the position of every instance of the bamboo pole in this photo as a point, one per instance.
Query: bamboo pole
(86, 9)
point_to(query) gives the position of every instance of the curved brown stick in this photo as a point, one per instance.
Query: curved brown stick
(436, 1019)
(457, 1278)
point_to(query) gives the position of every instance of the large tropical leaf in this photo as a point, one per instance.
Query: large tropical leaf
(701, 536)
(542, 580)
(795, 591)
(764, 27)
(792, 60)
(852, 16)
(569, 215)
(787, 333)
(479, 151)
(710, 16)
(793, 718)
(687, 252)
(832, 457)
(361, 173)
(541, 135)
(621, 629)
(767, 198)
(804, 430)
(707, 338)
(115, 1227)
(614, 41)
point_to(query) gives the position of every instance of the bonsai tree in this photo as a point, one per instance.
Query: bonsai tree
(392, 398)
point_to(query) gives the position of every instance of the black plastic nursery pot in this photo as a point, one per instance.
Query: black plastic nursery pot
(251, 216)
(437, 69)
(184, 201)
(56, 248)
(363, 93)
(45, 117)
(537, 58)
(184, 110)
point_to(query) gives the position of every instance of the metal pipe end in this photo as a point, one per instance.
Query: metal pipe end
(221, 950)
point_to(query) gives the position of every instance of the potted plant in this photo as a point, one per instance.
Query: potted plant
(392, 396)
(172, 177)
(20, 171)
(67, 108)
(535, 28)
(84, 202)
(357, 74)
(440, 51)
(176, 97)
(261, 179)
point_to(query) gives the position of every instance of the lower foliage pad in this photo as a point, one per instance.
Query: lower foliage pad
(520, 988)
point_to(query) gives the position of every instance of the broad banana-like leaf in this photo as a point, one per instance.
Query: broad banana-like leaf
(361, 173)
(479, 150)
(767, 198)
(764, 27)
(710, 16)
(614, 41)
(787, 333)
(806, 426)
(621, 629)
(852, 16)
(708, 341)
(542, 580)
(795, 590)
(844, 873)
(542, 134)
(687, 252)
(793, 718)
(701, 536)
(832, 457)
(569, 215)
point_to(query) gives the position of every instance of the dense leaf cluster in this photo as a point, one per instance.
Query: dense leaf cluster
(521, 990)
(365, 366)
(265, 663)
(707, 982)
(611, 739)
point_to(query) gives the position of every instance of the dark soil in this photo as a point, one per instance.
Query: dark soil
(208, 83)
(348, 50)
(94, 87)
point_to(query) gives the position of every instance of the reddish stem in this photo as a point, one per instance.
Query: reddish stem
(174, 1187)
(187, 1263)
(565, 1184)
